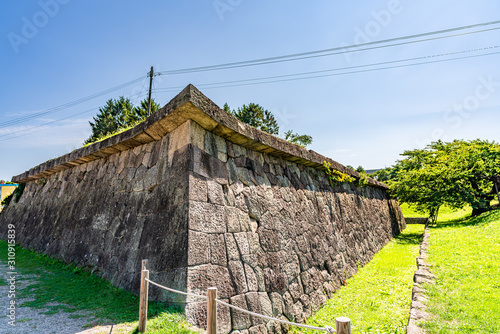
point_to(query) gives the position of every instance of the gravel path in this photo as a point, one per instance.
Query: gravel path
(29, 320)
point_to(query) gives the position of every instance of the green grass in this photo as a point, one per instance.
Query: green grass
(377, 299)
(465, 255)
(70, 289)
(445, 213)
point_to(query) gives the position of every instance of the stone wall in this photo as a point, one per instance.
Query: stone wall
(110, 213)
(210, 202)
(273, 235)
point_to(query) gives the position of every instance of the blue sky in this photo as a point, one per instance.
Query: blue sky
(58, 51)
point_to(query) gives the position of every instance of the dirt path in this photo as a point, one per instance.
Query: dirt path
(27, 320)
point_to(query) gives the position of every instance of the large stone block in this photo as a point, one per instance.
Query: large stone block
(204, 276)
(218, 254)
(238, 276)
(206, 217)
(198, 248)
(240, 320)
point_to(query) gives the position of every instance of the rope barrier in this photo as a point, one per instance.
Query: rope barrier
(176, 291)
(327, 329)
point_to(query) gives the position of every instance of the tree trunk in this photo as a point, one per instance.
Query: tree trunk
(478, 211)
(434, 215)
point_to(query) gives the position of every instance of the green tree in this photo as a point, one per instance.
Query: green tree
(262, 119)
(456, 173)
(360, 169)
(227, 108)
(295, 138)
(117, 115)
(258, 117)
(386, 174)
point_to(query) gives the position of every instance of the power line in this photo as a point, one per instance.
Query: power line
(290, 57)
(69, 104)
(40, 126)
(337, 50)
(261, 61)
(140, 92)
(48, 123)
(247, 82)
(312, 74)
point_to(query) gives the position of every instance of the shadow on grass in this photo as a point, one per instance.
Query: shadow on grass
(57, 286)
(414, 238)
(479, 220)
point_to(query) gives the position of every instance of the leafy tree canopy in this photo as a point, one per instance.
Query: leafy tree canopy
(256, 116)
(117, 115)
(360, 169)
(456, 173)
(295, 138)
(262, 119)
(386, 174)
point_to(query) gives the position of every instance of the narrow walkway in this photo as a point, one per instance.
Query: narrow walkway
(422, 275)
(30, 320)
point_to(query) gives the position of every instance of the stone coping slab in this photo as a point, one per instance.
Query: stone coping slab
(189, 104)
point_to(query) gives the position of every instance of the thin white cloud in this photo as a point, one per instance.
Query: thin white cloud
(65, 133)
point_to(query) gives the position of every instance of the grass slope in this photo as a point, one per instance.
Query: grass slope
(67, 288)
(377, 299)
(445, 213)
(465, 255)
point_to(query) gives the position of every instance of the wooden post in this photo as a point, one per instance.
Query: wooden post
(211, 311)
(143, 299)
(343, 325)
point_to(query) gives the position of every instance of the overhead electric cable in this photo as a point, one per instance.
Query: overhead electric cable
(280, 78)
(140, 92)
(40, 126)
(246, 82)
(48, 123)
(261, 61)
(69, 104)
(337, 50)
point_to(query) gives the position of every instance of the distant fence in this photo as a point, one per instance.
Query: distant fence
(343, 325)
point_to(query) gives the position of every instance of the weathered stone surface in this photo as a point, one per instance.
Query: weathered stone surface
(215, 193)
(218, 254)
(206, 217)
(240, 320)
(277, 304)
(232, 247)
(201, 277)
(252, 282)
(196, 313)
(242, 242)
(253, 302)
(199, 248)
(260, 329)
(238, 276)
(198, 189)
(419, 299)
(265, 304)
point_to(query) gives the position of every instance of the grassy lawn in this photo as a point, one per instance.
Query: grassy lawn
(465, 255)
(377, 299)
(445, 213)
(67, 288)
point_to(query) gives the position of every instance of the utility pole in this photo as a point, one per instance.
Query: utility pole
(151, 73)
